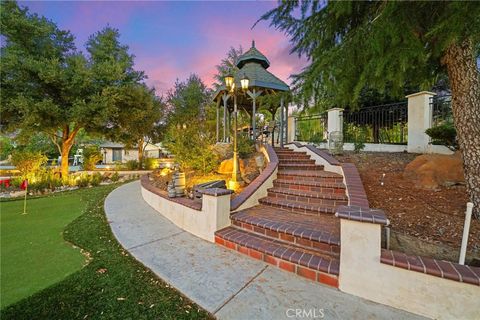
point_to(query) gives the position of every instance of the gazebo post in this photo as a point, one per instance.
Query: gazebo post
(281, 122)
(254, 94)
(218, 120)
(225, 99)
(228, 125)
(286, 123)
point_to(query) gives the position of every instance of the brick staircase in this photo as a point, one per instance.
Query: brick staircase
(294, 227)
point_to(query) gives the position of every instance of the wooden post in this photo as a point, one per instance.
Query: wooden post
(286, 124)
(254, 94)
(281, 122)
(218, 121)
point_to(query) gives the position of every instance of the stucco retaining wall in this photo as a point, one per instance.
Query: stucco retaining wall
(362, 274)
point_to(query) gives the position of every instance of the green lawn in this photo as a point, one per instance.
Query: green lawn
(112, 286)
(34, 254)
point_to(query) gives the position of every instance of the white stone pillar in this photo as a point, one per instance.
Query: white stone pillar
(335, 120)
(291, 129)
(216, 205)
(419, 119)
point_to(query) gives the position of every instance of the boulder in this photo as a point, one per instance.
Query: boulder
(429, 171)
(226, 167)
(223, 150)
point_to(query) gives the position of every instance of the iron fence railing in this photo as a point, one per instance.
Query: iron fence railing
(441, 110)
(377, 124)
(312, 128)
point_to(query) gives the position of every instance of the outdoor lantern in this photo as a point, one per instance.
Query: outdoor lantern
(244, 82)
(229, 81)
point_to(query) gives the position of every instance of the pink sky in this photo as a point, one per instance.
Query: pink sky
(171, 40)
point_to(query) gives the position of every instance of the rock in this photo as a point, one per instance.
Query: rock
(226, 167)
(224, 150)
(429, 171)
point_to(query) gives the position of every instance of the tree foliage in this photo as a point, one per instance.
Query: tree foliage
(48, 86)
(137, 121)
(354, 46)
(187, 101)
(357, 47)
(227, 65)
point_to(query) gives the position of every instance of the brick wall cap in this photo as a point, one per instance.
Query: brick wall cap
(216, 192)
(357, 213)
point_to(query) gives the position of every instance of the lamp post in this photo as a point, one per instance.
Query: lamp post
(236, 181)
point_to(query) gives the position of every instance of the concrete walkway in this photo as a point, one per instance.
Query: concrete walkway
(225, 283)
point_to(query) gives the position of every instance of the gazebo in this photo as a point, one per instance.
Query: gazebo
(253, 66)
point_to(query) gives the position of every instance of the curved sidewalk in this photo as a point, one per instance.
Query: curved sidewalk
(225, 283)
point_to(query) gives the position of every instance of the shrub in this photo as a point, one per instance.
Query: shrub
(115, 177)
(444, 134)
(118, 166)
(193, 148)
(358, 146)
(150, 163)
(132, 165)
(51, 178)
(6, 147)
(96, 179)
(91, 156)
(28, 163)
(317, 137)
(84, 180)
(245, 146)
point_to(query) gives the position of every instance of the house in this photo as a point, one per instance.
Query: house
(117, 152)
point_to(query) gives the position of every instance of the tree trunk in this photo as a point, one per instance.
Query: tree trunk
(68, 137)
(465, 84)
(66, 146)
(140, 153)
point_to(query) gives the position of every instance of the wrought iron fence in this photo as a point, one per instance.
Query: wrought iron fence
(312, 128)
(441, 110)
(377, 124)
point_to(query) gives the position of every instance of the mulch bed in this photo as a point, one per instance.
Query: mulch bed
(432, 216)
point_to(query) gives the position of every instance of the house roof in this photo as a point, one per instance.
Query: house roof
(109, 144)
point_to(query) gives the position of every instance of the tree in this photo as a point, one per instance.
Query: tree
(383, 45)
(227, 65)
(138, 119)
(187, 101)
(48, 86)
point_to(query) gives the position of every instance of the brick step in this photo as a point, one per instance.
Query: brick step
(316, 267)
(292, 154)
(282, 149)
(295, 206)
(309, 175)
(319, 233)
(297, 160)
(312, 185)
(299, 166)
(331, 199)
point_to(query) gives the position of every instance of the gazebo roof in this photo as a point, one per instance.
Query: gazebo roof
(253, 55)
(253, 64)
